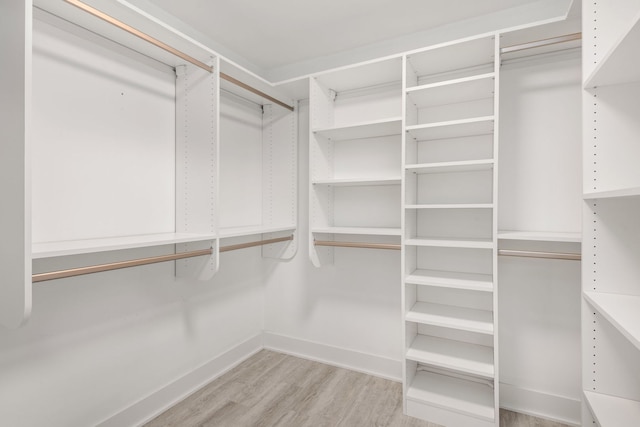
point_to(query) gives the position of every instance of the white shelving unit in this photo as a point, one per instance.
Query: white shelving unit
(140, 169)
(355, 155)
(611, 275)
(450, 233)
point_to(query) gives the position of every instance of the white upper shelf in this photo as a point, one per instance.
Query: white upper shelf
(363, 231)
(621, 311)
(540, 236)
(445, 167)
(355, 182)
(372, 129)
(453, 91)
(620, 63)
(452, 129)
(77, 247)
(371, 74)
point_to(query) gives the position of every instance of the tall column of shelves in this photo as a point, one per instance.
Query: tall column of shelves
(449, 242)
(611, 244)
(354, 152)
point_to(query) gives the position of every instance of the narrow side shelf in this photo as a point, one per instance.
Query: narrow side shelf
(613, 411)
(619, 64)
(451, 243)
(612, 194)
(540, 236)
(77, 247)
(448, 316)
(621, 311)
(373, 129)
(452, 206)
(454, 355)
(444, 167)
(454, 394)
(452, 129)
(449, 279)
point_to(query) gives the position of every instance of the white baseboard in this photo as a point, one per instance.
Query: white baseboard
(540, 404)
(343, 358)
(153, 405)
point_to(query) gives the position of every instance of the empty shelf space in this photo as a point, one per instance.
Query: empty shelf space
(445, 167)
(354, 182)
(613, 411)
(454, 355)
(619, 64)
(540, 236)
(450, 243)
(253, 230)
(449, 316)
(450, 279)
(611, 194)
(77, 247)
(454, 394)
(372, 129)
(452, 91)
(452, 129)
(622, 311)
(364, 231)
(451, 206)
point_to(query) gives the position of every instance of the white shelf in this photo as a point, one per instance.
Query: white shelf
(454, 355)
(452, 206)
(452, 129)
(355, 182)
(364, 231)
(448, 316)
(250, 231)
(450, 279)
(371, 74)
(620, 64)
(622, 311)
(77, 247)
(453, 91)
(451, 243)
(612, 194)
(454, 394)
(445, 167)
(372, 129)
(612, 411)
(540, 236)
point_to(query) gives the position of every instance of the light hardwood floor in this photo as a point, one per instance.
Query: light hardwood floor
(274, 389)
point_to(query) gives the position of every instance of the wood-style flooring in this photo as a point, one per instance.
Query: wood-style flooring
(274, 389)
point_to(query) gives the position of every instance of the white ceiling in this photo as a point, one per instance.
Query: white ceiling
(275, 33)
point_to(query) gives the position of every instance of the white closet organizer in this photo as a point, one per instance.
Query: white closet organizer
(161, 144)
(611, 272)
(354, 157)
(449, 250)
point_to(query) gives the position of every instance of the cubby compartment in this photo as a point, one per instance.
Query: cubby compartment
(471, 225)
(455, 148)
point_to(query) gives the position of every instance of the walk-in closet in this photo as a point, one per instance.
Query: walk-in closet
(360, 213)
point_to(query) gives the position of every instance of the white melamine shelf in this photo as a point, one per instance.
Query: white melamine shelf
(372, 129)
(622, 311)
(613, 411)
(250, 231)
(449, 316)
(450, 279)
(458, 356)
(540, 236)
(77, 247)
(364, 231)
(445, 167)
(454, 394)
(452, 206)
(612, 194)
(619, 64)
(450, 243)
(452, 129)
(354, 182)
(453, 91)
(371, 74)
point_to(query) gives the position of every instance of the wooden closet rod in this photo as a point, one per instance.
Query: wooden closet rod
(113, 21)
(543, 42)
(535, 254)
(61, 274)
(357, 245)
(256, 243)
